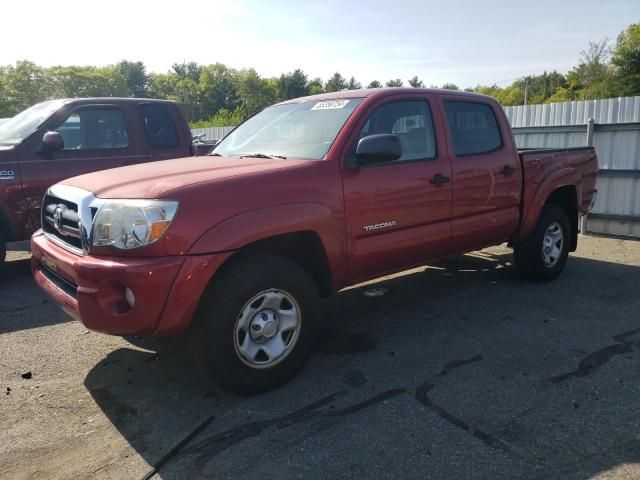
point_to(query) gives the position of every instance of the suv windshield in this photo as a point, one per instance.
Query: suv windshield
(296, 130)
(16, 129)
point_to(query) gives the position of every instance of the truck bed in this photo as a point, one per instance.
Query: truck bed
(571, 166)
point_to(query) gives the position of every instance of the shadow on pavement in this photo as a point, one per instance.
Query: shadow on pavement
(15, 269)
(526, 380)
(22, 304)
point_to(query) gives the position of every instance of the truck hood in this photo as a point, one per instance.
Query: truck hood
(155, 179)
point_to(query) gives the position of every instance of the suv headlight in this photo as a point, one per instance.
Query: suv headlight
(127, 224)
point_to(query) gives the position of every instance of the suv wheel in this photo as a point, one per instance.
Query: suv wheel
(253, 328)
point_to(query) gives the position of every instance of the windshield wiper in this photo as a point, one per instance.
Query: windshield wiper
(214, 154)
(261, 155)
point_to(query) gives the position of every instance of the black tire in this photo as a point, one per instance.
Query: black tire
(528, 253)
(212, 336)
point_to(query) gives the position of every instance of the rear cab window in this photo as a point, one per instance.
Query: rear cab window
(159, 127)
(473, 126)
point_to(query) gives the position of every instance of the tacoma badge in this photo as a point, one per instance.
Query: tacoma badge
(379, 226)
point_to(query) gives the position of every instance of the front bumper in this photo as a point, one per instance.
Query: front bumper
(92, 289)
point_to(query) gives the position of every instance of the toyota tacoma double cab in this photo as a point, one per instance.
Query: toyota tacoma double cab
(64, 138)
(301, 200)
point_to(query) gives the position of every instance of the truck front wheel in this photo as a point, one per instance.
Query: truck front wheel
(542, 256)
(254, 327)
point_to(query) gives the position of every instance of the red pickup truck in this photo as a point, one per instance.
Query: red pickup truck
(64, 138)
(301, 200)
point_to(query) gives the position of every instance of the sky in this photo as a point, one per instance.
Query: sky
(460, 41)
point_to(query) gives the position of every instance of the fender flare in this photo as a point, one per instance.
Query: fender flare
(250, 226)
(565, 177)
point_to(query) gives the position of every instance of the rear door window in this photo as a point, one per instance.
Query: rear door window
(473, 126)
(94, 129)
(159, 126)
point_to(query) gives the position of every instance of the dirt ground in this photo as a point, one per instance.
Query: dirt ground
(460, 371)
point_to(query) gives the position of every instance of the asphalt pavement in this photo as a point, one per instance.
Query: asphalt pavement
(458, 371)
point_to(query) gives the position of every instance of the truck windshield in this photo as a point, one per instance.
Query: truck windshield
(303, 130)
(16, 129)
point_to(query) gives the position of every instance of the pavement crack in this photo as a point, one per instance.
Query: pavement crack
(213, 445)
(594, 360)
(422, 395)
(457, 364)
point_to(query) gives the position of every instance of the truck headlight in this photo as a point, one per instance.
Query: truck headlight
(127, 224)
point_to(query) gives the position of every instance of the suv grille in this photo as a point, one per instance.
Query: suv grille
(60, 219)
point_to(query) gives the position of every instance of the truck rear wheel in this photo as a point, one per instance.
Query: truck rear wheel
(254, 327)
(542, 256)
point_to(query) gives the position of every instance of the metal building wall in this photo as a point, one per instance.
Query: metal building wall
(616, 139)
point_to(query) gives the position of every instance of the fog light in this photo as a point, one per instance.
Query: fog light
(131, 298)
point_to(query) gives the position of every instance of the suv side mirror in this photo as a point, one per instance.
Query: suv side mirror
(383, 147)
(52, 141)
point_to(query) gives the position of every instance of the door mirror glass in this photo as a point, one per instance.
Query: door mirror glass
(52, 141)
(382, 147)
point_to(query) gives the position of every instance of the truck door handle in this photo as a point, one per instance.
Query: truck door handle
(438, 180)
(507, 171)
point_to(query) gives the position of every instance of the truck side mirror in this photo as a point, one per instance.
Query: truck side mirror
(383, 147)
(52, 141)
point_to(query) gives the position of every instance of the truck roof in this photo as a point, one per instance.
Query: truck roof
(114, 100)
(380, 92)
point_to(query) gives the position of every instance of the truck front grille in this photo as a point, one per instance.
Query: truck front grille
(60, 219)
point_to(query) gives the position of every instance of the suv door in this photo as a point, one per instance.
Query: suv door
(95, 138)
(397, 214)
(486, 174)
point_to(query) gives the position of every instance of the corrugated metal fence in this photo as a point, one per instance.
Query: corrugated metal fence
(616, 138)
(212, 133)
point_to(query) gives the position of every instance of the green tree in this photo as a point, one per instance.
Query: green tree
(135, 75)
(223, 118)
(415, 82)
(315, 86)
(491, 90)
(183, 90)
(354, 84)
(450, 86)
(88, 81)
(292, 85)
(562, 94)
(593, 77)
(254, 92)
(513, 95)
(394, 83)
(336, 83)
(24, 85)
(374, 84)
(626, 60)
(540, 87)
(218, 89)
(189, 70)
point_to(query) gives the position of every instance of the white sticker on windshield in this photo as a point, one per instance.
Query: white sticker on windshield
(330, 105)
